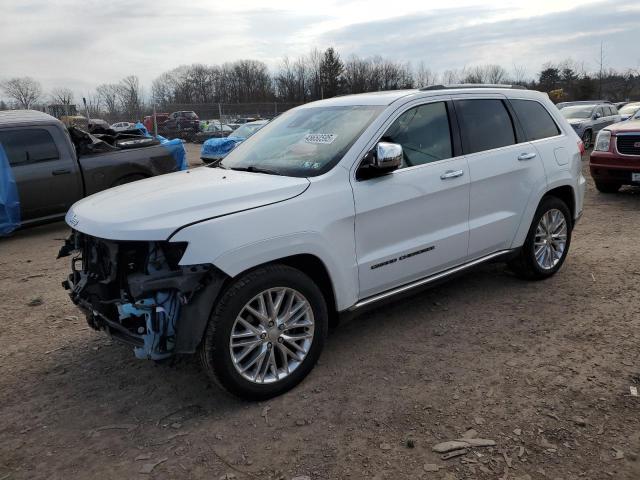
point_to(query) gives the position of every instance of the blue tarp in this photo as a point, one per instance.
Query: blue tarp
(175, 147)
(9, 201)
(216, 148)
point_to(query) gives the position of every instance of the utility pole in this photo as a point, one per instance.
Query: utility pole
(601, 70)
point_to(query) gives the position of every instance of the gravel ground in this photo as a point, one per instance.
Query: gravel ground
(543, 369)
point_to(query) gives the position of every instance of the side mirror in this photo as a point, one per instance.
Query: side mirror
(384, 158)
(596, 116)
(388, 156)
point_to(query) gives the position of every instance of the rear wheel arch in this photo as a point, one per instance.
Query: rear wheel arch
(567, 195)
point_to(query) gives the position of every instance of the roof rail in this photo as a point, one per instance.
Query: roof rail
(471, 85)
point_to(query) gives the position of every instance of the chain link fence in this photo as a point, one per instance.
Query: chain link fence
(227, 112)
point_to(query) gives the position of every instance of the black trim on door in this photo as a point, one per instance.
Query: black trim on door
(454, 129)
(519, 131)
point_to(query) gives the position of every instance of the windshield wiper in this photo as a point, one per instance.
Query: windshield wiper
(254, 169)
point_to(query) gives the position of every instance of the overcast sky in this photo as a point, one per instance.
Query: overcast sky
(82, 43)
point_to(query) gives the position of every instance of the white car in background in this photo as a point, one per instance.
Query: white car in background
(333, 206)
(629, 111)
(122, 126)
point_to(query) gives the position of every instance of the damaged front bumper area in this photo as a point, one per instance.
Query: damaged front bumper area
(139, 293)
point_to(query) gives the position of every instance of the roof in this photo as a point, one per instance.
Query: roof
(11, 118)
(388, 97)
(372, 98)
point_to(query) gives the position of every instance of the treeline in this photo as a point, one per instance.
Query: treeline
(319, 74)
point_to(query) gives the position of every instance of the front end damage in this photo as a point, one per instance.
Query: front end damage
(138, 292)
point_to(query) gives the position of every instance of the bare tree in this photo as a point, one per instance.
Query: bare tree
(130, 97)
(423, 76)
(450, 77)
(24, 90)
(519, 75)
(314, 69)
(285, 81)
(108, 95)
(93, 105)
(485, 74)
(62, 96)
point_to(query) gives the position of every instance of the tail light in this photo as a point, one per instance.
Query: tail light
(581, 147)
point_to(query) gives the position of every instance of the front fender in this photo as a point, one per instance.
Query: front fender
(319, 222)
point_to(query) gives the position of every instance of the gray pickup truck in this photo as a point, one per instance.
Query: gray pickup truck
(53, 166)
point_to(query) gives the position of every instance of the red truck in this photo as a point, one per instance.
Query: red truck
(615, 160)
(160, 119)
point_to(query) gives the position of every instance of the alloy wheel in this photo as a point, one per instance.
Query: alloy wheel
(272, 335)
(551, 239)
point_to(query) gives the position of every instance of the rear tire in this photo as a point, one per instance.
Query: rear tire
(238, 341)
(605, 187)
(547, 242)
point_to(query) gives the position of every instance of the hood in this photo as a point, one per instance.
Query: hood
(216, 146)
(627, 126)
(154, 208)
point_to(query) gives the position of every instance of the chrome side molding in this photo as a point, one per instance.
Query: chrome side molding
(426, 280)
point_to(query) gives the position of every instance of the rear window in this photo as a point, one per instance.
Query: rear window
(486, 124)
(28, 145)
(535, 120)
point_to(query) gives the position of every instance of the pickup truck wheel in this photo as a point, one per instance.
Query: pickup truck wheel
(587, 137)
(266, 332)
(547, 242)
(605, 187)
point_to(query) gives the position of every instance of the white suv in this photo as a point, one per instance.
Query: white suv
(333, 206)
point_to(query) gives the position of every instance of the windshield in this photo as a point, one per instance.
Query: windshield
(577, 111)
(305, 142)
(246, 130)
(629, 109)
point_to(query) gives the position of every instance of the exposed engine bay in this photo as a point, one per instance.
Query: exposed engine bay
(139, 293)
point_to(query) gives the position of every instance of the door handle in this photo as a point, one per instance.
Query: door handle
(451, 174)
(62, 171)
(526, 156)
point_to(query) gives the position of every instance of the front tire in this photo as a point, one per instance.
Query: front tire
(587, 139)
(266, 332)
(547, 242)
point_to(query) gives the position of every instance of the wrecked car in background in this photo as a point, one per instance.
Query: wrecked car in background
(215, 149)
(53, 166)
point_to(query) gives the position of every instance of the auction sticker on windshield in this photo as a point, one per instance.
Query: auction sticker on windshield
(321, 138)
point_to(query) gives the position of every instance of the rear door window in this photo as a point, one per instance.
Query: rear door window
(30, 145)
(535, 120)
(485, 123)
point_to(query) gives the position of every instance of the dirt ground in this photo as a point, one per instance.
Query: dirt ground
(543, 369)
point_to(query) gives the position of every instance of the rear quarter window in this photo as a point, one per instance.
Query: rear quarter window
(535, 120)
(486, 124)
